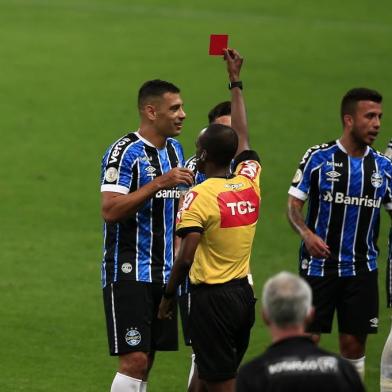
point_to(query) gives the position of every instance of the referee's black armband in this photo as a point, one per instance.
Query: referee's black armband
(186, 230)
(247, 155)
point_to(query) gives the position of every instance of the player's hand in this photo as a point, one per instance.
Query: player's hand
(316, 246)
(234, 63)
(166, 309)
(175, 176)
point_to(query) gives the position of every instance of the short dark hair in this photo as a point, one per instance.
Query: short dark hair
(155, 88)
(222, 109)
(353, 96)
(220, 142)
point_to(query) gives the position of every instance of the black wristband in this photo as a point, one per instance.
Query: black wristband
(167, 295)
(235, 84)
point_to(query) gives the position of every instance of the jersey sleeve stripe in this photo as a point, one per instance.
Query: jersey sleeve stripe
(293, 191)
(114, 188)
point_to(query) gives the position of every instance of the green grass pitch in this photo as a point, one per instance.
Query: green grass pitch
(69, 73)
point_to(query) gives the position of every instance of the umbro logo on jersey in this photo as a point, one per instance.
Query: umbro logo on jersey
(150, 171)
(341, 198)
(374, 322)
(333, 175)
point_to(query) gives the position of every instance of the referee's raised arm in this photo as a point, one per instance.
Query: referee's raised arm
(238, 112)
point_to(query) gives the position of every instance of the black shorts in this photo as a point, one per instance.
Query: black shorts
(221, 318)
(184, 304)
(355, 299)
(131, 310)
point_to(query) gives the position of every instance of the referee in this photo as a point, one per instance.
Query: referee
(217, 223)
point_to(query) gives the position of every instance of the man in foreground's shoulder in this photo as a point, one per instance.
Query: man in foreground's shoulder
(293, 362)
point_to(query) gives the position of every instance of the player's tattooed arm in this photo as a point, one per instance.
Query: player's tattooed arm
(314, 244)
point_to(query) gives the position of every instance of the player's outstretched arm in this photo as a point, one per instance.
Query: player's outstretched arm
(116, 206)
(314, 244)
(239, 121)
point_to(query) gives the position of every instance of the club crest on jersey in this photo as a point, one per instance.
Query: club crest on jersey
(304, 264)
(111, 174)
(297, 176)
(126, 268)
(133, 337)
(376, 180)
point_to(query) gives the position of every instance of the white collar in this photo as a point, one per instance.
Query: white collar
(340, 145)
(145, 141)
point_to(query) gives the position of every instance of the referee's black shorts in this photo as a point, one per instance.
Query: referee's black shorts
(221, 318)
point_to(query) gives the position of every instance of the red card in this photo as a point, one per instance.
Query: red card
(218, 42)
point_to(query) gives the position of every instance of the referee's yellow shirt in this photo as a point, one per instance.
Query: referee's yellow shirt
(225, 211)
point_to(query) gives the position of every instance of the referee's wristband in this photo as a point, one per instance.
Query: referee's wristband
(235, 84)
(167, 295)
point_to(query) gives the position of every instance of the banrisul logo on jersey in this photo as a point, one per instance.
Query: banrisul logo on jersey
(341, 198)
(174, 193)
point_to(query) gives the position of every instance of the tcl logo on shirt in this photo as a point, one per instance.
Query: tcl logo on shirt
(238, 208)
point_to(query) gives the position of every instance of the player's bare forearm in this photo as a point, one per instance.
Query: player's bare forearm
(295, 217)
(238, 111)
(314, 244)
(116, 206)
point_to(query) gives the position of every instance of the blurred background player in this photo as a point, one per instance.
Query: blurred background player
(140, 175)
(219, 114)
(345, 181)
(217, 216)
(293, 363)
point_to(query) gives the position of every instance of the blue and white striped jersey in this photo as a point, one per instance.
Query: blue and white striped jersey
(344, 198)
(141, 247)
